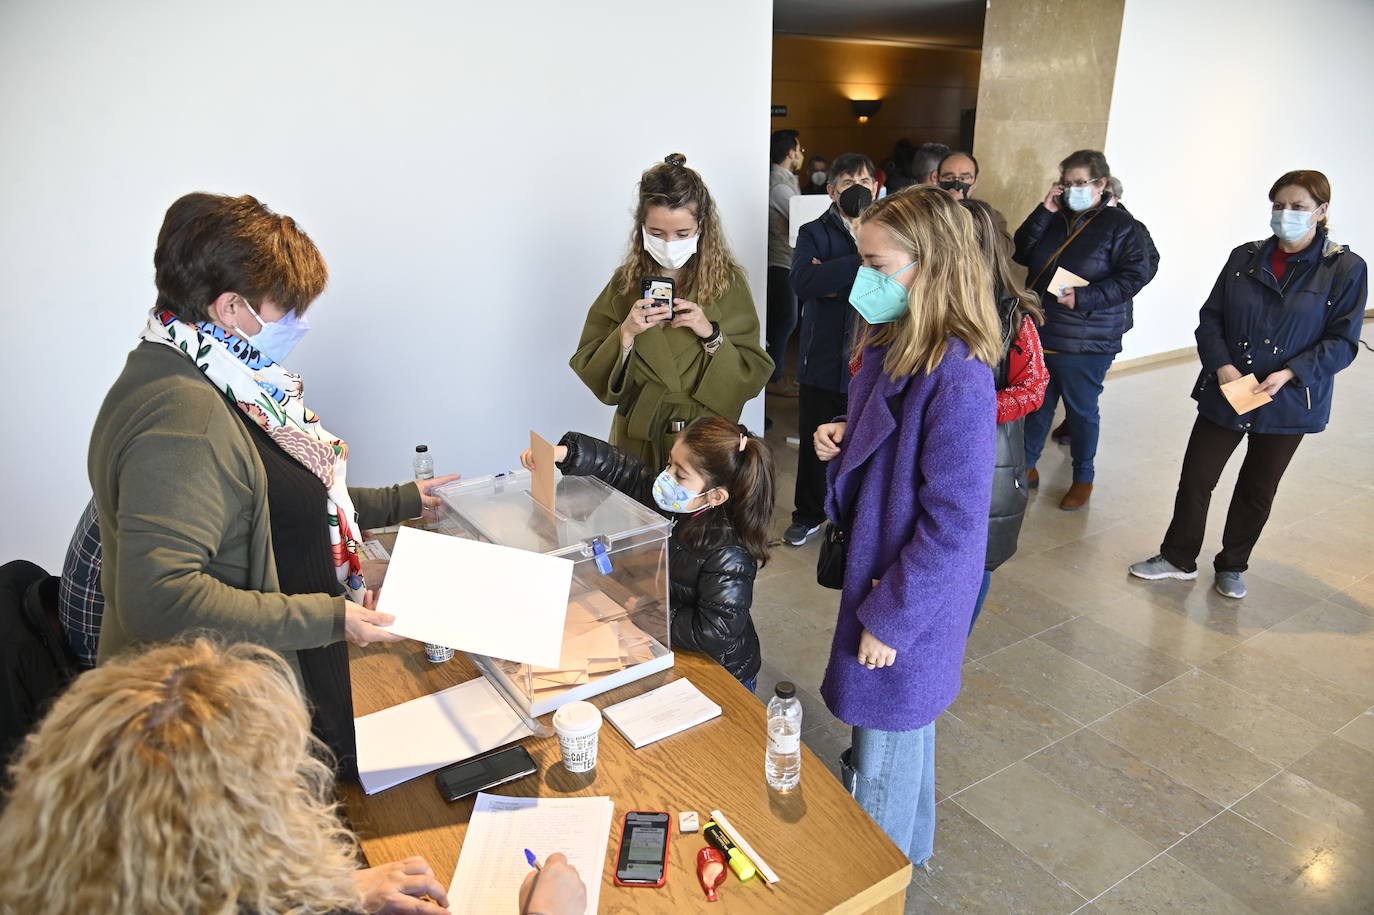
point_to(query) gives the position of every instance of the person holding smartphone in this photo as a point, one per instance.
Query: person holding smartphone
(663, 365)
(1074, 228)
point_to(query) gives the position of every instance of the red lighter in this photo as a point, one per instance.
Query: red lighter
(710, 871)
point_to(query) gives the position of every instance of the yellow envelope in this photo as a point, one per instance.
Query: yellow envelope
(1240, 394)
(1063, 279)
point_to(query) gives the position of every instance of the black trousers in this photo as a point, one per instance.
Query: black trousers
(1209, 448)
(815, 407)
(781, 318)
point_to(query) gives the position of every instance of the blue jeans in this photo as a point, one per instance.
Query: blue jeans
(982, 596)
(751, 683)
(1076, 377)
(892, 776)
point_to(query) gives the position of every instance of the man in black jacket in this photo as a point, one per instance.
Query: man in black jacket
(824, 265)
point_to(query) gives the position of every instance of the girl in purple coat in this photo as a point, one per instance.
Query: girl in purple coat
(911, 481)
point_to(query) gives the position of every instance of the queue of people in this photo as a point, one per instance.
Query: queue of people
(929, 374)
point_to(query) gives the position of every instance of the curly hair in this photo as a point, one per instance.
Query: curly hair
(179, 780)
(708, 273)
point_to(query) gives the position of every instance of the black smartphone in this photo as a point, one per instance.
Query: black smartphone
(658, 288)
(643, 858)
(482, 772)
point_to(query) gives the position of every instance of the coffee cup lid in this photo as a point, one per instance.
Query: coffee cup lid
(577, 718)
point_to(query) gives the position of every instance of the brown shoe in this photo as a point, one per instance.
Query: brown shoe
(1076, 497)
(1033, 478)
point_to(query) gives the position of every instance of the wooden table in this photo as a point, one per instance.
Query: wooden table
(829, 855)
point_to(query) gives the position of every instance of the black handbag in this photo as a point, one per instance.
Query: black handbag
(834, 554)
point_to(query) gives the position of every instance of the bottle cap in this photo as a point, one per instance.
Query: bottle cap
(421, 447)
(784, 690)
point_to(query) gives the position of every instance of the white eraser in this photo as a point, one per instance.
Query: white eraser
(687, 821)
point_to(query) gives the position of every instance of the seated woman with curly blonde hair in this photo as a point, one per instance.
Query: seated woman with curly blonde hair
(186, 780)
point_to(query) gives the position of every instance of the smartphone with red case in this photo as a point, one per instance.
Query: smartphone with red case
(643, 856)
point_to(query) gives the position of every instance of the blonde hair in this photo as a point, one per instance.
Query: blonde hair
(708, 273)
(179, 780)
(952, 294)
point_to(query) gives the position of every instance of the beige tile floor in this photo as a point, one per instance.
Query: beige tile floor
(1124, 746)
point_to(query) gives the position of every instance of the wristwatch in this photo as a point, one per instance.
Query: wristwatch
(712, 343)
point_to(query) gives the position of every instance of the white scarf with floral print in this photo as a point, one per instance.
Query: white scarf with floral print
(271, 396)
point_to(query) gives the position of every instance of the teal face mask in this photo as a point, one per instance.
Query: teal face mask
(880, 298)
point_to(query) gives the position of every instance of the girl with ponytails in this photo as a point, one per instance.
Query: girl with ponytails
(718, 486)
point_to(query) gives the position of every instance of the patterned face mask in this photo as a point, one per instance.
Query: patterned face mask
(672, 496)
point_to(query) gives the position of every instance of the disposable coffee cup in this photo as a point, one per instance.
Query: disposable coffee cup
(578, 726)
(438, 653)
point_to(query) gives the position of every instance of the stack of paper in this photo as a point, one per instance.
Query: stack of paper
(419, 736)
(598, 640)
(492, 864)
(661, 712)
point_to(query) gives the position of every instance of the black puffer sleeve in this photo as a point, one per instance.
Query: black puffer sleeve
(725, 591)
(591, 457)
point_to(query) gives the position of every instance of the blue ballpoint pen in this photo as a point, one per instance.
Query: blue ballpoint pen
(534, 862)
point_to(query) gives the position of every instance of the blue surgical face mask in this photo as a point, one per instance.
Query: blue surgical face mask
(879, 298)
(276, 339)
(672, 496)
(1290, 225)
(1079, 198)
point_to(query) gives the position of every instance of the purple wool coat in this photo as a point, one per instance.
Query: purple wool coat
(912, 485)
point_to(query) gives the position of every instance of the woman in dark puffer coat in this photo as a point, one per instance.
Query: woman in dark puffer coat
(1074, 228)
(718, 486)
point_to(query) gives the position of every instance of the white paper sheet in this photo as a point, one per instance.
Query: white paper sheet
(492, 864)
(419, 736)
(659, 713)
(471, 596)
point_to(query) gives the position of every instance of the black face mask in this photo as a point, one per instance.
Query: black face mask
(854, 200)
(960, 186)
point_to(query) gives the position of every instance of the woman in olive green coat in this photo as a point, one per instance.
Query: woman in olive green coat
(662, 367)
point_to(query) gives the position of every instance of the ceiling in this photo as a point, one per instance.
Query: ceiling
(944, 22)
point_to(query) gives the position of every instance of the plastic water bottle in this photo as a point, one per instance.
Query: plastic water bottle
(424, 463)
(782, 765)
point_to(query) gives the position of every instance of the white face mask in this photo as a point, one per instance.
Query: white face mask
(670, 254)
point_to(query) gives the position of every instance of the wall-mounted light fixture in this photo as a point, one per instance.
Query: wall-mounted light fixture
(866, 108)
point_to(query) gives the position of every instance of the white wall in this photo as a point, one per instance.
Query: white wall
(467, 168)
(1214, 101)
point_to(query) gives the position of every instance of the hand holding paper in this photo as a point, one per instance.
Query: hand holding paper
(1064, 280)
(1242, 395)
(493, 600)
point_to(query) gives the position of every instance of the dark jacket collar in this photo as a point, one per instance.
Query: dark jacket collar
(1265, 249)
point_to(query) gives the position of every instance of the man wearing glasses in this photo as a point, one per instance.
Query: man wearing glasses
(957, 175)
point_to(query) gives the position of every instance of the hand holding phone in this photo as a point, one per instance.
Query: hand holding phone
(661, 289)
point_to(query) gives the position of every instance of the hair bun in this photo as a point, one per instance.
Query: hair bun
(675, 159)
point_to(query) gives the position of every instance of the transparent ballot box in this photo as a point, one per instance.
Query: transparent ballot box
(616, 629)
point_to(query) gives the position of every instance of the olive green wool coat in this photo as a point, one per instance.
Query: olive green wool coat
(670, 376)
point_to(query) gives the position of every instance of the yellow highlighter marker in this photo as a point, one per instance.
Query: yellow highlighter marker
(741, 865)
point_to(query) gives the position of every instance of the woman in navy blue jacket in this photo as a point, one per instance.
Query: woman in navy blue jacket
(1074, 228)
(1288, 310)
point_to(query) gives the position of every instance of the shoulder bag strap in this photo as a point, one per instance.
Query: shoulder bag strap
(1060, 250)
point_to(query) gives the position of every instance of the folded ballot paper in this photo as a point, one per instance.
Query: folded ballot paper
(479, 597)
(661, 712)
(599, 640)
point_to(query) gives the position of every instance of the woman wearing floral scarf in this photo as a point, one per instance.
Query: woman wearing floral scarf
(222, 498)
